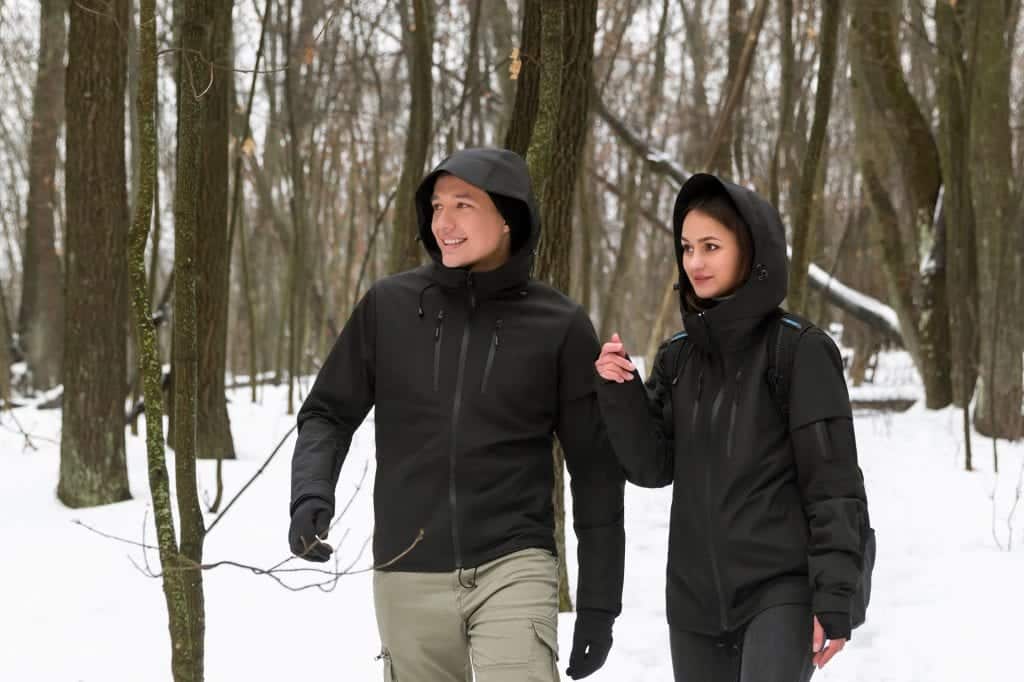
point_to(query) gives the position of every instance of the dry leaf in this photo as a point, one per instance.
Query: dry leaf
(249, 146)
(308, 57)
(516, 64)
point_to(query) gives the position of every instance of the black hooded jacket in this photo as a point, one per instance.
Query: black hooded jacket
(763, 512)
(472, 374)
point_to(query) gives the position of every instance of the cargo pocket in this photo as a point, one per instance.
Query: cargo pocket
(544, 666)
(389, 671)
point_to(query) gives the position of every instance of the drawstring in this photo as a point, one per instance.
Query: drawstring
(497, 332)
(472, 581)
(419, 308)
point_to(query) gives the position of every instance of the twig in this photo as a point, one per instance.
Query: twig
(28, 437)
(250, 481)
(274, 572)
(1013, 508)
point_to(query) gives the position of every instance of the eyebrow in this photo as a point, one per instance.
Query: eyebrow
(702, 239)
(460, 195)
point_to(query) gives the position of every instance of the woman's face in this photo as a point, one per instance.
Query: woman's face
(711, 256)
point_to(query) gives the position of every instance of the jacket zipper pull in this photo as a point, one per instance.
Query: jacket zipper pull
(437, 327)
(472, 293)
(497, 330)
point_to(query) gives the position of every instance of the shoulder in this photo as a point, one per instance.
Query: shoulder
(669, 347)
(672, 342)
(412, 280)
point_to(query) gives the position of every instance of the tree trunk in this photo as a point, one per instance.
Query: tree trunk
(893, 134)
(788, 75)
(92, 464)
(718, 160)
(961, 256)
(193, 70)
(213, 256)
(176, 599)
(5, 354)
(804, 230)
(418, 42)
(524, 112)
(41, 319)
(555, 148)
(997, 411)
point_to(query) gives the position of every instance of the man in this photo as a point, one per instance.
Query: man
(472, 367)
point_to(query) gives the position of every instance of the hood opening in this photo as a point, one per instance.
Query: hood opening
(504, 176)
(764, 287)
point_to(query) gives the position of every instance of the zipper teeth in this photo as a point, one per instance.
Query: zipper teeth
(438, 333)
(456, 406)
(732, 416)
(490, 357)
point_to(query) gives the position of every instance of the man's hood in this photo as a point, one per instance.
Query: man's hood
(497, 171)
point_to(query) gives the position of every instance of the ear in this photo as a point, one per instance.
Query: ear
(507, 229)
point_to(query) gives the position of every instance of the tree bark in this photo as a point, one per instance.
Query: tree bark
(893, 134)
(961, 256)
(92, 465)
(193, 78)
(524, 112)
(175, 597)
(418, 41)
(41, 319)
(555, 148)
(804, 230)
(213, 256)
(997, 412)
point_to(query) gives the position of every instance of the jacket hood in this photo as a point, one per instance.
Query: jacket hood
(729, 323)
(496, 171)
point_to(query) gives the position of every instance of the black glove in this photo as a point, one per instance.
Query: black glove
(310, 522)
(591, 642)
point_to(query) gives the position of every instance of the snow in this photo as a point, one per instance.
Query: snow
(75, 609)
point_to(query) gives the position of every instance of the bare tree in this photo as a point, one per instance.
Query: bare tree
(92, 452)
(41, 319)
(417, 43)
(213, 252)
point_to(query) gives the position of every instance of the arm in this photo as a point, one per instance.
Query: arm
(835, 503)
(335, 407)
(639, 423)
(596, 479)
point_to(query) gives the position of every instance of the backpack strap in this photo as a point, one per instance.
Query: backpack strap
(783, 338)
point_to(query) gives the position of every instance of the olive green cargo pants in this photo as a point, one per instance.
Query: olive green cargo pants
(499, 619)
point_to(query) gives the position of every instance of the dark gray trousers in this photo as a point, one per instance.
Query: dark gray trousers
(775, 646)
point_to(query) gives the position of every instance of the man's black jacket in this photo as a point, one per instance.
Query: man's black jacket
(471, 375)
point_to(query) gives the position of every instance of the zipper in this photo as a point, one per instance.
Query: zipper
(456, 408)
(732, 416)
(696, 404)
(438, 328)
(712, 553)
(490, 357)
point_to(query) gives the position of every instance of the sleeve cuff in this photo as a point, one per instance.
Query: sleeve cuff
(836, 625)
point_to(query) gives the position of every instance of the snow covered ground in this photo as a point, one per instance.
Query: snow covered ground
(73, 608)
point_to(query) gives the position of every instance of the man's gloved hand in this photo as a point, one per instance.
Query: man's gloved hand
(310, 523)
(591, 642)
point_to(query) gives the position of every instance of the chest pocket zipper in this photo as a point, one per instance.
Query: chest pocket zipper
(731, 438)
(438, 332)
(495, 342)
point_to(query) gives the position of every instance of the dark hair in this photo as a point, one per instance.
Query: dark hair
(720, 207)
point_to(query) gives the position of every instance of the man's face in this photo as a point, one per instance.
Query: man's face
(467, 226)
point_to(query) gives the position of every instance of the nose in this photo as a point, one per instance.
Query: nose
(441, 220)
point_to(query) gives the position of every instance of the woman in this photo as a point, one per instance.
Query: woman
(765, 538)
